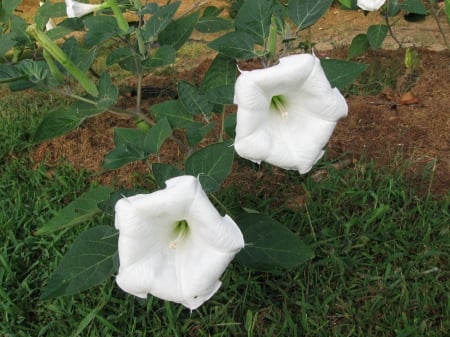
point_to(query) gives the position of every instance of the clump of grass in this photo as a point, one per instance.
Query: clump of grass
(20, 114)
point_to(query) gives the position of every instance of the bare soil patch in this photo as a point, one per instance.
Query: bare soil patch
(377, 127)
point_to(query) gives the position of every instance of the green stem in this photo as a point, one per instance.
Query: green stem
(121, 21)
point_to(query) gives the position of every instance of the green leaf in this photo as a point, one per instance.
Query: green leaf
(156, 136)
(11, 73)
(89, 262)
(163, 172)
(121, 155)
(253, 18)
(164, 55)
(415, 7)
(221, 72)
(230, 124)
(221, 95)
(81, 57)
(211, 164)
(108, 93)
(81, 209)
(359, 46)
(55, 124)
(394, 7)
(100, 28)
(6, 43)
(376, 35)
(129, 148)
(178, 31)
(269, 244)
(107, 206)
(195, 132)
(341, 73)
(235, 45)
(161, 17)
(210, 23)
(119, 55)
(174, 111)
(194, 102)
(305, 13)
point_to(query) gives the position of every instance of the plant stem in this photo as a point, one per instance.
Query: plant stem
(388, 24)
(434, 11)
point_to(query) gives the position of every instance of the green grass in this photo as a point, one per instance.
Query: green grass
(381, 265)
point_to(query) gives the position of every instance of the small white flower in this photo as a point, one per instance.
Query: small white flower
(79, 9)
(174, 244)
(286, 113)
(370, 5)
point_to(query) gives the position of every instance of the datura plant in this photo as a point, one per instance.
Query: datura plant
(286, 113)
(169, 241)
(174, 244)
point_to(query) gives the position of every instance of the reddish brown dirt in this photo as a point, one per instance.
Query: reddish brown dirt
(377, 127)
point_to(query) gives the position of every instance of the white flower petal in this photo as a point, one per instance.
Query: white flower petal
(370, 5)
(293, 138)
(183, 267)
(78, 9)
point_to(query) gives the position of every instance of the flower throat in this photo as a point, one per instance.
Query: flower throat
(278, 103)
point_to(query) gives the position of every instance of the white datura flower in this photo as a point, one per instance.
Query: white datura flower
(370, 5)
(286, 113)
(173, 243)
(79, 9)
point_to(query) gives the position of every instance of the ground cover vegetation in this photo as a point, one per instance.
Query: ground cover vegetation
(373, 254)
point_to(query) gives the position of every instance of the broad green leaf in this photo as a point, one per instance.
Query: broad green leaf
(6, 43)
(107, 206)
(118, 55)
(221, 72)
(81, 57)
(221, 95)
(253, 18)
(156, 136)
(305, 13)
(195, 132)
(341, 73)
(121, 155)
(89, 262)
(8, 7)
(235, 45)
(55, 124)
(81, 209)
(161, 17)
(347, 3)
(269, 244)
(415, 7)
(48, 10)
(394, 7)
(11, 73)
(209, 22)
(129, 148)
(100, 28)
(66, 27)
(108, 93)
(178, 31)
(174, 111)
(129, 136)
(163, 56)
(83, 110)
(163, 172)
(376, 35)
(211, 164)
(194, 102)
(359, 46)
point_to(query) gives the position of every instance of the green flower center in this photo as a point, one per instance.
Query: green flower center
(278, 103)
(181, 229)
